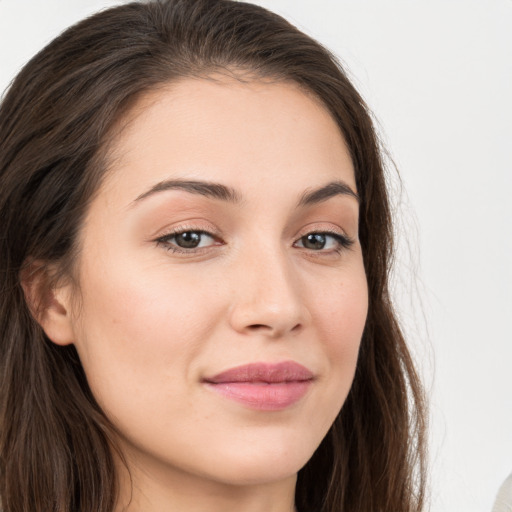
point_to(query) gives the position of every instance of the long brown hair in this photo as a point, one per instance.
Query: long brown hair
(56, 121)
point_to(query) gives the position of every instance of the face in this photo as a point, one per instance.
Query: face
(222, 289)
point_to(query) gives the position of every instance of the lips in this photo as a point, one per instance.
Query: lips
(263, 386)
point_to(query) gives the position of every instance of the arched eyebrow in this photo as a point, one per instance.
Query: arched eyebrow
(203, 188)
(334, 188)
(229, 194)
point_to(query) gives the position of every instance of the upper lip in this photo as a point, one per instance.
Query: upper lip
(286, 371)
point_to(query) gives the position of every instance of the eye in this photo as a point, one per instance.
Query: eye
(323, 241)
(182, 240)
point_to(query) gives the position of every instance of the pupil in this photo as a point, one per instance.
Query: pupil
(188, 240)
(314, 241)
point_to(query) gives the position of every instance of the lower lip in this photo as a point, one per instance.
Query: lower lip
(263, 396)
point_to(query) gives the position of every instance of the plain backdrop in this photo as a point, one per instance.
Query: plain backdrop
(438, 76)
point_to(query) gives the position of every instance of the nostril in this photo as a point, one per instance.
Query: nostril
(255, 327)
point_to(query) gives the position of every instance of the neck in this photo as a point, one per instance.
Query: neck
(168, 490)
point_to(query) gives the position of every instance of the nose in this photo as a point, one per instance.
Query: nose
(268, 299)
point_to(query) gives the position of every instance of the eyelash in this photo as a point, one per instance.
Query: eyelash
(165, 240)
(343, 242)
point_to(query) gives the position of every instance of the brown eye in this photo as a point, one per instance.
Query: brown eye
(185, 241)
(324, 241)
(188, 239)
(315, 241)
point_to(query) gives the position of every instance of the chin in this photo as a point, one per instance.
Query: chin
(263, 461)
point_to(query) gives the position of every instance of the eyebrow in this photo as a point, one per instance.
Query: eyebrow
(332, 189)
(203, 188)
(225, 193)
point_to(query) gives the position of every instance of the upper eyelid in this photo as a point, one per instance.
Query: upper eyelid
(323, 229)
(183, 228)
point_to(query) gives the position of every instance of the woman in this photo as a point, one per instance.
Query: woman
(196, 240)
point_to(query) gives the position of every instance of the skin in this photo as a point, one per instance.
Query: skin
(151, 323)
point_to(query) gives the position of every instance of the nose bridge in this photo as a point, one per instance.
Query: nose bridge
(267, 298)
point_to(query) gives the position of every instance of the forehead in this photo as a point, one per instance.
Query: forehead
(249, 135)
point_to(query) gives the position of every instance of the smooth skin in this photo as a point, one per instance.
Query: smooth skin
(179, 280)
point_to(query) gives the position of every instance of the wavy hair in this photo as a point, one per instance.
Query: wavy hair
(56, 122)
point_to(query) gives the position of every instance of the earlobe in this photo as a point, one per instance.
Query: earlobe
(50, 305)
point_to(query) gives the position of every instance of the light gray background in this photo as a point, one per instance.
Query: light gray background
(438, 75)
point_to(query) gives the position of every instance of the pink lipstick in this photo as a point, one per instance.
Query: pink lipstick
(263, 386)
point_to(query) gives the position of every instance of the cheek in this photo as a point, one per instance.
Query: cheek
(340, 313)
(341, 309)
(139, 333)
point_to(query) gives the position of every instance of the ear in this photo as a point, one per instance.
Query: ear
(50, 304)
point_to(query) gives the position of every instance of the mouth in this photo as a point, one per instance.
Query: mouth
(263, 386)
